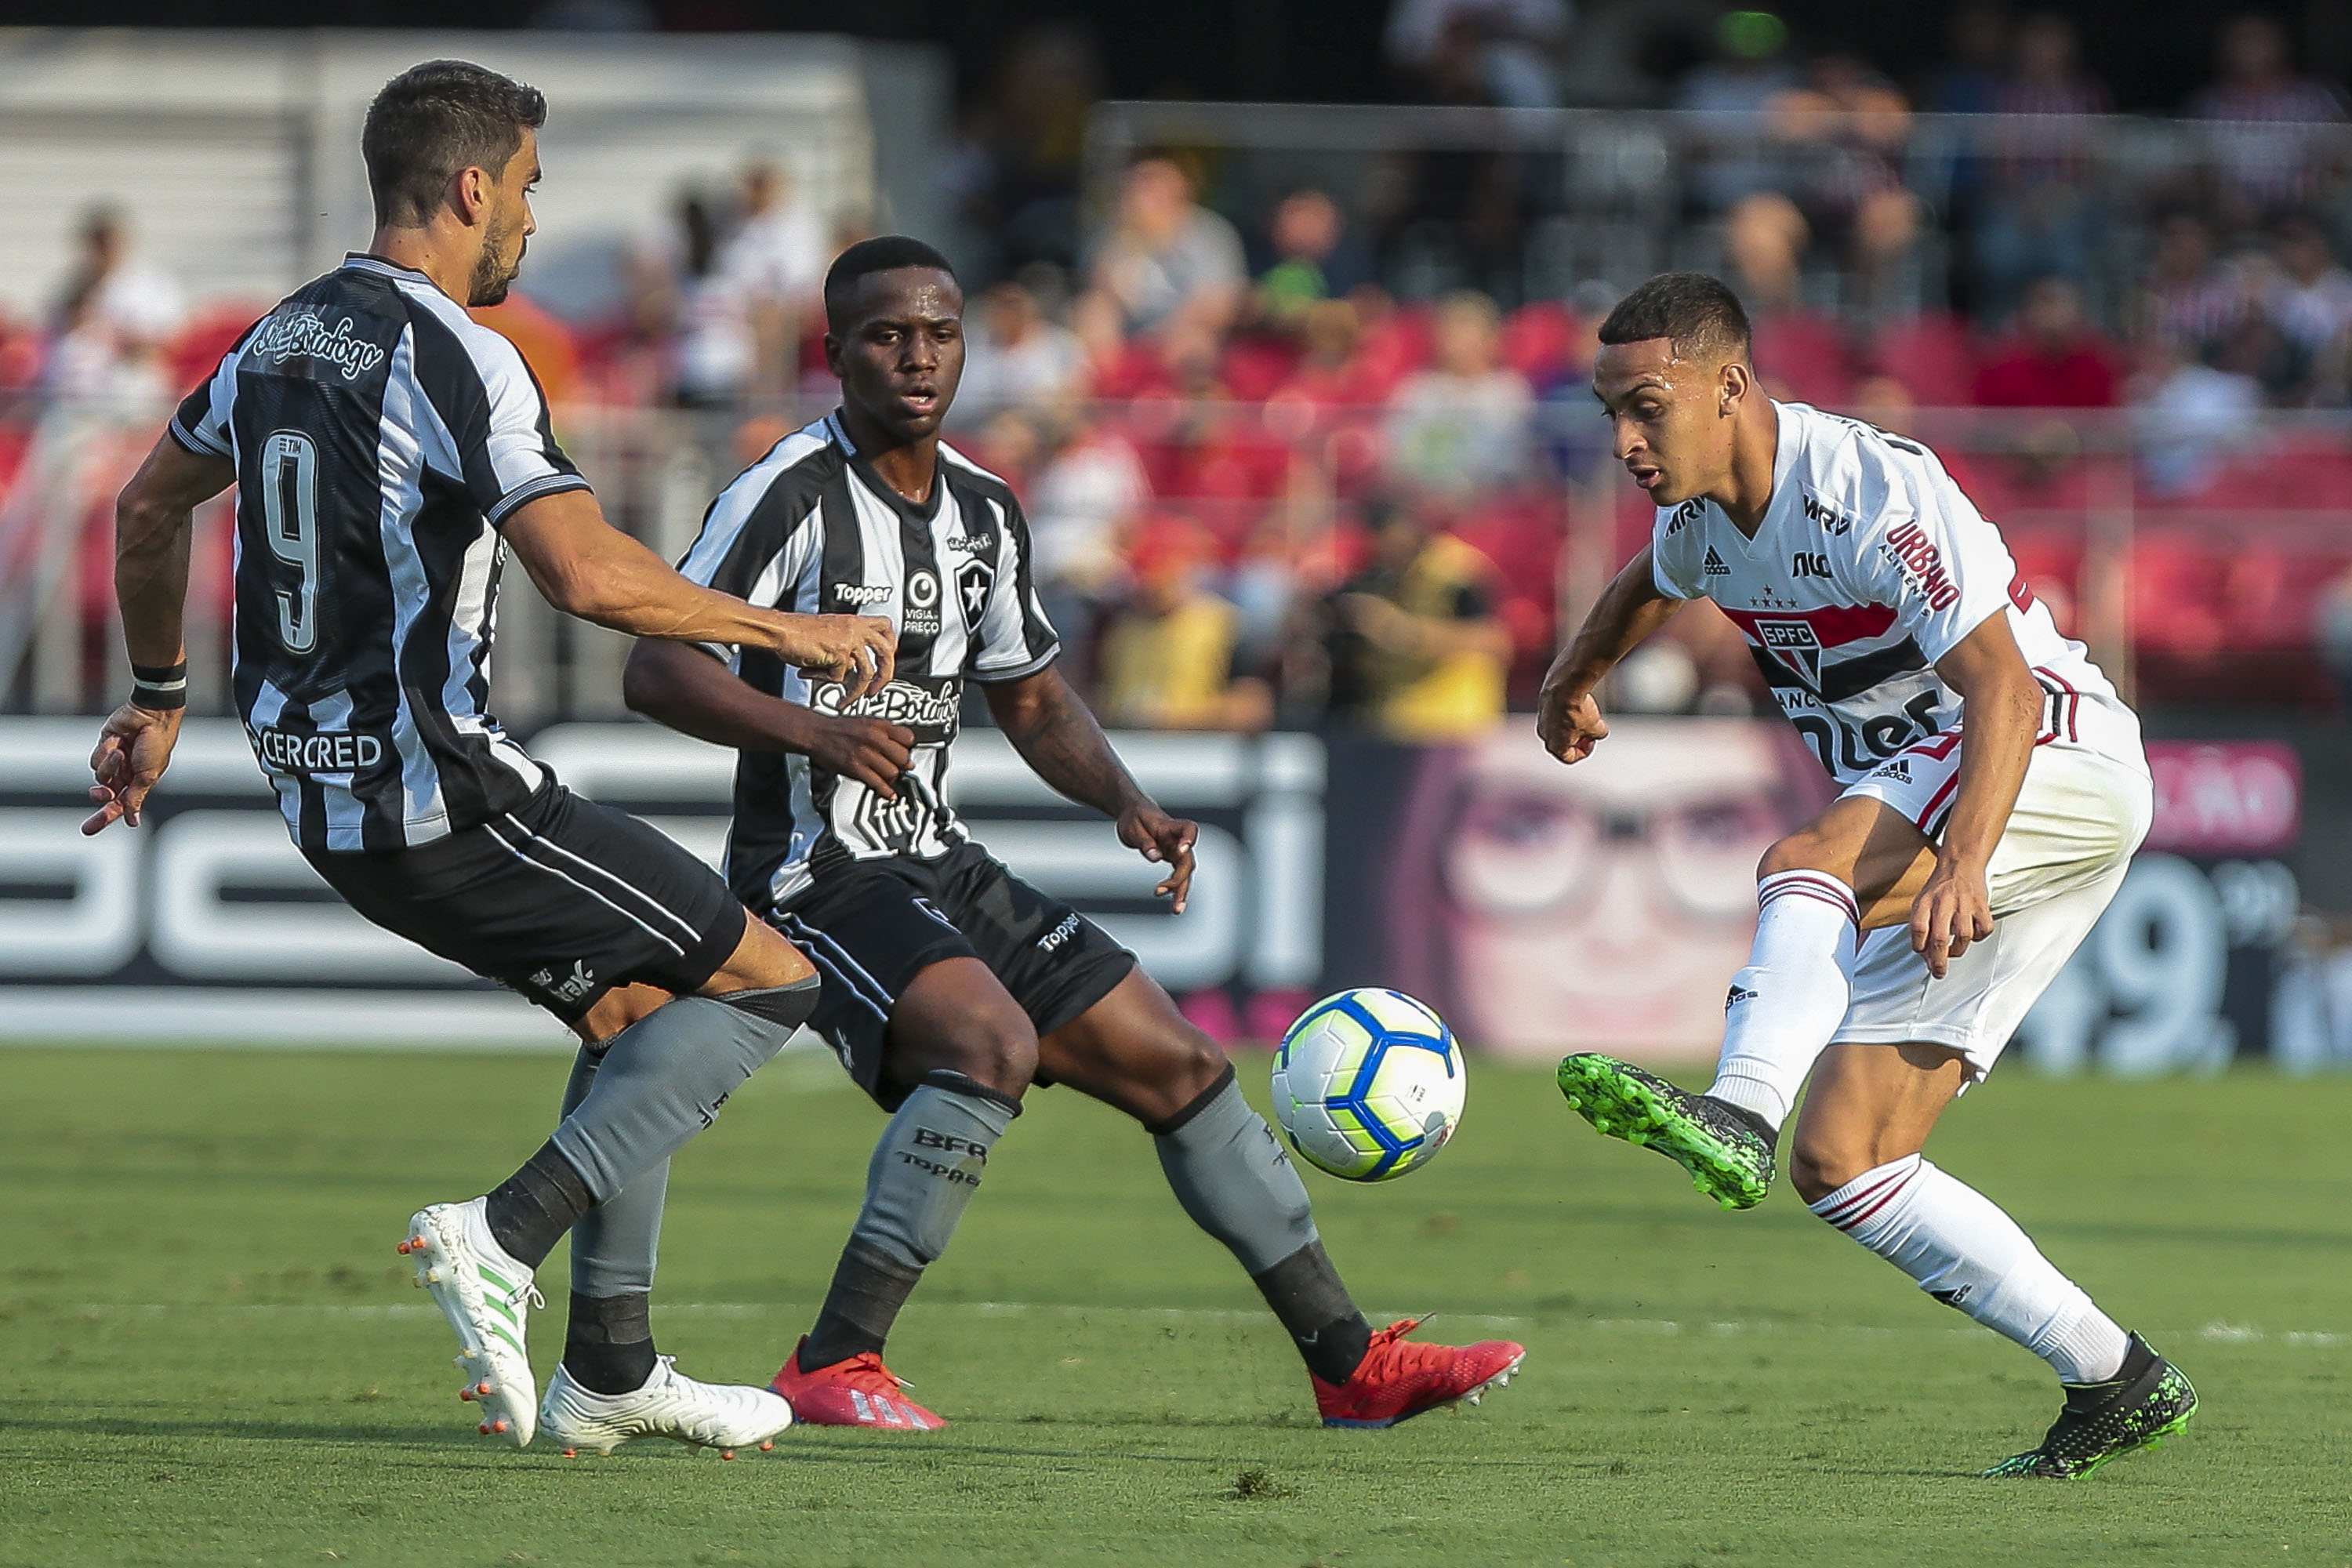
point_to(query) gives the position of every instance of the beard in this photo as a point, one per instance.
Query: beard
(493, 277)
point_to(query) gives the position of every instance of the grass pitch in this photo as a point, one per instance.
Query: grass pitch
(209, 1353)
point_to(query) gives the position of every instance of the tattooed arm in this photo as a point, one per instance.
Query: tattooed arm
(1056, 735)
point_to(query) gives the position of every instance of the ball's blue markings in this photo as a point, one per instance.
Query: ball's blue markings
(1384, 1039)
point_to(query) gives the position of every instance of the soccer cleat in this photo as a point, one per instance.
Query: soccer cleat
(487, 1296)
(1397, 1380)
(671, 1404)
(2145, 1403)
(859, 1391)
(1727, 1151)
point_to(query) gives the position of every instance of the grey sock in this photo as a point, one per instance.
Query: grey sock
(927, 1165)
(615, 1245)
(923, 1174)
(662, 1081)
(1231, 1175)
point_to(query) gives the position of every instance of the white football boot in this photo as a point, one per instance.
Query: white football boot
(488, 1297)
(725, 1416)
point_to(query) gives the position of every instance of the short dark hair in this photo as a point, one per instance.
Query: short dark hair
(435, 119)
(1697, 313)
(883, 253)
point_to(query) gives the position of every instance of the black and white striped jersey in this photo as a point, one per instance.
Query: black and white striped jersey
(811, 529)
(381, 437)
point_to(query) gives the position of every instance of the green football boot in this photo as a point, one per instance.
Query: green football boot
(1727, 1151)
(2145, 1403)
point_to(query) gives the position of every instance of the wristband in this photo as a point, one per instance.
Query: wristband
(159, 688)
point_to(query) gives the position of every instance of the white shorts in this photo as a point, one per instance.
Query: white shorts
(2078, 820)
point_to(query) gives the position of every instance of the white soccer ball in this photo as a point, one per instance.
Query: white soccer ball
(1369, 1084)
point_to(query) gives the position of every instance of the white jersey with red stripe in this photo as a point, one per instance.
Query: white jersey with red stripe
(1870, 564)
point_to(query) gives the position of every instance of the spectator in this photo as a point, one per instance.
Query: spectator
(699, 310)
(1168, 654)
(1976, 50)
(2186, 417)
(1845, 127)
(2191, 296)
(1165, 259)
(1085, 496)
(1016, 357)
(2267, 140)
(1732, 90)
(2310, 299)
(2036, 217)
(115, 315)
(1313, 259)
(2057, 359)
(1421, 652)
(776, 262)
(1462, 424)
(1500, 48)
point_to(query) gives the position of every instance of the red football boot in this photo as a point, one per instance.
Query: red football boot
(859, 1391)
(1398, 1381)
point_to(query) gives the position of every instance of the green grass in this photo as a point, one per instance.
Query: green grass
(208, 1353)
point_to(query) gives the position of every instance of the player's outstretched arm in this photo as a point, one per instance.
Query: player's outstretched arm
(1630, 609)
(588, 568)
(154, 521)
(2002, 712)
(1056, 735)
(681, 685)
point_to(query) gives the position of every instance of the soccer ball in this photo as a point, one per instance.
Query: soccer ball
(1369, 1084)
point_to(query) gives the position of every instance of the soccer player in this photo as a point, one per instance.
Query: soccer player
(1994, 791)
(951, 984)
(387, 452)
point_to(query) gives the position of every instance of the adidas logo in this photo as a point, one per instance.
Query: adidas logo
(1899, 770)
(1738, 994)
(1715, 566)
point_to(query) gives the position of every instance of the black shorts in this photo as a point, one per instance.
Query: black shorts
(872, 926)
(561, 901)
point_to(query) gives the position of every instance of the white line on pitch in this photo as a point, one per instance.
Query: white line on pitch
(2213, 1332)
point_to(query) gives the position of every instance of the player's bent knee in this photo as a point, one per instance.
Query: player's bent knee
(1820, 1164)
(764, 959)
(1799, 851)
(1000, 1052)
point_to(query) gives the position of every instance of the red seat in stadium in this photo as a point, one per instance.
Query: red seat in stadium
(1806, 354)
(1934, 355)
(1542, 340)
(2176, 597)
(195, 352)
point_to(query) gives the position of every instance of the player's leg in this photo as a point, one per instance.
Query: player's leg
(1857, 1161)
(1854, 869)
(1132, 1049)
(926, 1030)
(563, 902)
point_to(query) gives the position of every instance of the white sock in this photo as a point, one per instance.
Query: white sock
(1965, 1252)
(1792, 996)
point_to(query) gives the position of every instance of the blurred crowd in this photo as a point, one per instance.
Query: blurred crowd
(1303, 451)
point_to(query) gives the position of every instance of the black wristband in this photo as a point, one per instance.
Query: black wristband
(159, 687)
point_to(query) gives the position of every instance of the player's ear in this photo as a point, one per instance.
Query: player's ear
(1733, 383)
(469, 194)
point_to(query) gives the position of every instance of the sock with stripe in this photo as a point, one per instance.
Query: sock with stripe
(1792, 997)
(922, 1176)
(1965, 1252)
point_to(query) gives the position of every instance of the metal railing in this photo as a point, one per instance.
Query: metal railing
(2186, 592)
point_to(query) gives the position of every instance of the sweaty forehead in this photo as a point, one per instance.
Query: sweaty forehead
(906, 294)
(1619, 368)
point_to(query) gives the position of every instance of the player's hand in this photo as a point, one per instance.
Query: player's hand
(874, 752)
(1951, 911)
(1165, 840)
(1569, 724)
(859, 651)
(133, 752)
